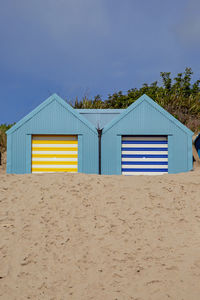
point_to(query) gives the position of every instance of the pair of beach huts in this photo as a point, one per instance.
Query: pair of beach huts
(142, 139)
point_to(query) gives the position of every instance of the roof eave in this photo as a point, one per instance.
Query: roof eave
(156, 106)
(52, 98)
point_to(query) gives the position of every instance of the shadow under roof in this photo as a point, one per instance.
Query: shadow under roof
(100, 117)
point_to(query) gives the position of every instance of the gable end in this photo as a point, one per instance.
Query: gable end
(157, 107)
(42, 106)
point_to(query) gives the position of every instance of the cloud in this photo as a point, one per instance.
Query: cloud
(58, 19)
(71, 45)
(41, 32)
(188, 28)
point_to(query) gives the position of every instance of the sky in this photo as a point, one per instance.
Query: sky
(88, 47)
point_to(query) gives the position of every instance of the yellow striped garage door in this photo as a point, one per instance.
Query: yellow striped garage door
(54, 153)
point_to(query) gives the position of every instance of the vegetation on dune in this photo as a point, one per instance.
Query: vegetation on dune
(178, 96)
(3, 129)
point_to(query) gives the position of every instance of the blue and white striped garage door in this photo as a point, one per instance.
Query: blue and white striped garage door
(144, 155)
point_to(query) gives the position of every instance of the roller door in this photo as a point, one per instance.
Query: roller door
(54, 153)
(144, 155)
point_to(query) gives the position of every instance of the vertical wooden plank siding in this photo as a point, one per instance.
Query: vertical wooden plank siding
(28, 153)
(118, 153)
(80, 153)
(190, 155)
(170, 153)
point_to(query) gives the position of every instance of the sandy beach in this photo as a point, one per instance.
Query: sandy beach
(81, 237)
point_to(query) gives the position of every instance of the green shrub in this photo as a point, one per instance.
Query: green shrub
(3, 140)
(178, 96)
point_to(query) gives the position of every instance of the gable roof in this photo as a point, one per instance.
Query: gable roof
(40, 107)
(145, 98)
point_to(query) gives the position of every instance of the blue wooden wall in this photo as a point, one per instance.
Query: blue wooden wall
(53, 116)
(145, 117)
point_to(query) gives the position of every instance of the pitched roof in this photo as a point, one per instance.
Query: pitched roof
(99, 117)
(145, 98)
(40, 107)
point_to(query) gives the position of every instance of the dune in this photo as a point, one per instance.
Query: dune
(3, 162)
(77, 236)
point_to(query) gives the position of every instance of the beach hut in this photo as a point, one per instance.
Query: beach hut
(142, 139)
(145, 139)
(197, 144)
(54, 137)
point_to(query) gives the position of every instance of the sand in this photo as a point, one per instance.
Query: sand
(65, 236)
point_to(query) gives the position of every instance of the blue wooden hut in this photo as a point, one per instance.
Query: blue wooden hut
(52, 138)
(197, 144)
(142, 139)
(146, 139)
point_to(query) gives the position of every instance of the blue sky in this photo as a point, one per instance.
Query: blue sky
(89, 47)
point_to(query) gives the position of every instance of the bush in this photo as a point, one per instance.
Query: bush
(178, 96)
(3, 139)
